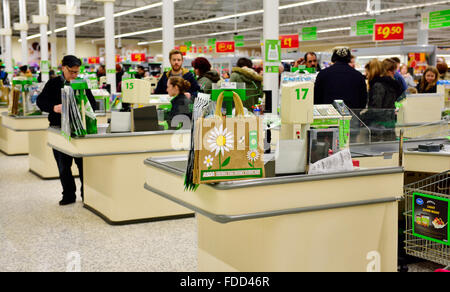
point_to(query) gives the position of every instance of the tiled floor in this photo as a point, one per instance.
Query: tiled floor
(36, 234)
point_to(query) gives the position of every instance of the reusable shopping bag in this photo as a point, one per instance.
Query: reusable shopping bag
(228, 148)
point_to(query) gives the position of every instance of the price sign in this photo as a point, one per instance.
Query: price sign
(289, 41)
(94, 60)
(388, 32)
(183, 50)
(225, 47)
(137, 57)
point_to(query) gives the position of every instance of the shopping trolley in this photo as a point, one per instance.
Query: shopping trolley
(426, 235)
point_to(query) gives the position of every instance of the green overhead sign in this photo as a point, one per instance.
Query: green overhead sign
(363, 27)
(436, 19)
(239, 41)
(212, 42)
(309, 33)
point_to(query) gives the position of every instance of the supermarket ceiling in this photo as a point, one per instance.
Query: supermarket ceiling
(313, 13)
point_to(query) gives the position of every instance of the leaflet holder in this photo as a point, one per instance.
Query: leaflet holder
(79, 87)
(297, 107)
(135, 91)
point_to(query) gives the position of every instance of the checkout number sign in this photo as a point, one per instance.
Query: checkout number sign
(302, 93)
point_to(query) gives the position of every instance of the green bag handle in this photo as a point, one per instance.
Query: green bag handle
(237, 104)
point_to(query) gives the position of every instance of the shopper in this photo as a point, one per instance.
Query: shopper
(52, 74)
(24, 71)
(206, 76)
(101, 71)
(384, 91)
(406, 76)
(50, 101)
(181, 105)
(309, 60)
(428, 82)
(341, 81)
(119, 75)
(176, 62)
(397, 75)
(244, 73)
(141, 73)
(226, 76)
(3, 75)
(443, 71)
(352, 61)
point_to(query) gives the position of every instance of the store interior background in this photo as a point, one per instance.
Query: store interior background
(331, 33)
(90, 43)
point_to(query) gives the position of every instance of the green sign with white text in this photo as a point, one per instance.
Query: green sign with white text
(239, 41)
(272, 51)
(439, 19)
(309, 33)
(212, 42)
(365, 27)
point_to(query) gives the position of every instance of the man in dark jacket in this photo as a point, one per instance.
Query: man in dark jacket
(340, 81)
(50, 101)
(176, 61)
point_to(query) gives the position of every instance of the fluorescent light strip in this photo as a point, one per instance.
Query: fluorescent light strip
(254, 12)
(100, 19)
(334, 29)
(205, 35)
(140, 32)
(414, 6)
(301, 4)
(220, 18)
(238, 31)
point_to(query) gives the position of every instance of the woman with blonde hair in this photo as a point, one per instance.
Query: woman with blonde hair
(428, 82)
(408, 78)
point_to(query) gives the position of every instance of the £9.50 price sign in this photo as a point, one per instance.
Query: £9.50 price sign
(388, 32)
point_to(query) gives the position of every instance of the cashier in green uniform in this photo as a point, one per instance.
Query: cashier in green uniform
(50, 101)
(181, 105)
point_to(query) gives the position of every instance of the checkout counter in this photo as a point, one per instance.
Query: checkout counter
(341, 221)
(114, 172)
(113, 169)
(293, 223)
(28, 135)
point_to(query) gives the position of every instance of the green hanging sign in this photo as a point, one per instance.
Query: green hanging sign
(436, 19)
(363, 27)
(309, 33)
(212, 42)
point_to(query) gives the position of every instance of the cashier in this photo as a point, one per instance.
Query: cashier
(181, 105)
(50, 101)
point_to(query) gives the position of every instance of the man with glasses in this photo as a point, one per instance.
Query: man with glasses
(50, 101)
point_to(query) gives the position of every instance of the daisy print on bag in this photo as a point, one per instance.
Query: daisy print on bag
(220, 141)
